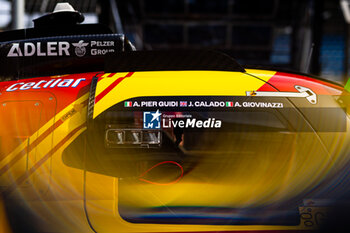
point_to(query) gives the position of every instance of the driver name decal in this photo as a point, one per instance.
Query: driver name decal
(201, 104)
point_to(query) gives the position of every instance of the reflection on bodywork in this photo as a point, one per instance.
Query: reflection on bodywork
(254, 170)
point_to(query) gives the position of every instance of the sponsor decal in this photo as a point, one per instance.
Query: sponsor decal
(80, 49)
(68, 114)
(155, 120)
(28, 49)
(43, 84)
(60, 48)
(102, 43)
(186, 123)
(97, 50)
(151, 120)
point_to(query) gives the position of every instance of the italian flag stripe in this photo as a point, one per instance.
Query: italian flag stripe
(229, 104)
(127, 103)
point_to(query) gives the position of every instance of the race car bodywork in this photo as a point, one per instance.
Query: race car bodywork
(164, 142)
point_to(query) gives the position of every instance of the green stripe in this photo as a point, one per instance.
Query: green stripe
(347, 86)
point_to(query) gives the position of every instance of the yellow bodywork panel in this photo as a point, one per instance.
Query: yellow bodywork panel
(175, 83)
(262, 74)
(277, 172)
(255, 180)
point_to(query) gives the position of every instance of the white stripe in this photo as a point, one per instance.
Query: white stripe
(304, 92)
(277, 94)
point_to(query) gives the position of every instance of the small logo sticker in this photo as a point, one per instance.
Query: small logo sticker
(151, 120)
(80, 49)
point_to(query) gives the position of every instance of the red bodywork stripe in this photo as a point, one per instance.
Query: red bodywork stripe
(111, 75)
(33, 145)
(111, 87)
(286, 82)
(22, 178)
(30, 148)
